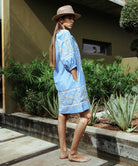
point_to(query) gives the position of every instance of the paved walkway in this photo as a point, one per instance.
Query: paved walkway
(20, 150)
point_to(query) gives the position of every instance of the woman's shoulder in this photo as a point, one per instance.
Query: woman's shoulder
(64, 34)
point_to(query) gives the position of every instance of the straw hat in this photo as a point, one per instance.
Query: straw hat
(65, 10)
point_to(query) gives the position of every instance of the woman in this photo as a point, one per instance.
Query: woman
(69, 81)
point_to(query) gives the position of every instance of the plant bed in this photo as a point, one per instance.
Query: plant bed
(102, 119)
(105, 124)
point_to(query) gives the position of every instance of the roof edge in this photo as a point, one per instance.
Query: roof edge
(119, 2)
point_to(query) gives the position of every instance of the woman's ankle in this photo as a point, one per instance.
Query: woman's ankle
(63, 154)
(73, 152)
(63, 149)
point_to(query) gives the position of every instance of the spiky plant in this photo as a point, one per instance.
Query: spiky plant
(53, 106)
(93, 110)
(121, 109)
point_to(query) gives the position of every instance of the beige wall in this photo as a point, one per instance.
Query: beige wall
(31, 22)
(102, 27)
(29, 29)
(131, 64)
(28, 22)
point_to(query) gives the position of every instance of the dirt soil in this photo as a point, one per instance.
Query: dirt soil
(103, 123)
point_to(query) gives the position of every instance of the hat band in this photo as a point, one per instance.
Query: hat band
(65, 11)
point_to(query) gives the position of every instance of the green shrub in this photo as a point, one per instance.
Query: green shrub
(31, 83)
(15, 75)
(34, 101)
(104, 80)
(121, 109)
(129, 16)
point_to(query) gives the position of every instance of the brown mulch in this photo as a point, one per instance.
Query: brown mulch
(103, 123)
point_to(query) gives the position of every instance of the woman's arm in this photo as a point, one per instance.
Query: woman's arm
(74, 74)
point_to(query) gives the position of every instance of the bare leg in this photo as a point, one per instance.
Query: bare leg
(62, 136)
(80, 128)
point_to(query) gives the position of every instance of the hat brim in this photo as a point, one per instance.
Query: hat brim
(56, 17)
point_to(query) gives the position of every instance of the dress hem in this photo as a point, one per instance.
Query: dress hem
(79, 109)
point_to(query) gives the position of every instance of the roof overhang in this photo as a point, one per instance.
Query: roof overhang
(112, 7)
(118, 2)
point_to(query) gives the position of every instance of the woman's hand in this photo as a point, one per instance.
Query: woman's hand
(74, 74)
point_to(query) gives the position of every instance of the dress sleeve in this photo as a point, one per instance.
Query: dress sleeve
(67, 52)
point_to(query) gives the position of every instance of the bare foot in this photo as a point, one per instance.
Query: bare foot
(78, 157)
(63, 154)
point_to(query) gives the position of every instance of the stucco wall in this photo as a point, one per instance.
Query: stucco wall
(131, 64)
(28, 29)
(31, 29)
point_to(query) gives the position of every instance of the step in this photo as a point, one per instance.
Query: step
(23, 148)
(52, 159)
(6, 134)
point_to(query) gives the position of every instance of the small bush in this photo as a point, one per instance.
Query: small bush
(31, 83)
(129, 16)
(104, 80)
(34, 101)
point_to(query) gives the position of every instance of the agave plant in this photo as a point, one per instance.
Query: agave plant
(135, 89)
(93, 110)
(121, 109)
(53, 106)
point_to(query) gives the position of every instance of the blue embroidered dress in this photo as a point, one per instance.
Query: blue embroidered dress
(72, 95)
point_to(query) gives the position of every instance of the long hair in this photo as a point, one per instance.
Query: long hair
(52, 48)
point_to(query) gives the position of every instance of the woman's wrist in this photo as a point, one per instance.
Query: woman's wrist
(74, 74)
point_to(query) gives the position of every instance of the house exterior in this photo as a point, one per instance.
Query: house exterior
(27, 29)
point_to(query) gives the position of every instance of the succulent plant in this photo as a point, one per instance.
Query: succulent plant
(121, 109)
(53, 106)
(93, 110)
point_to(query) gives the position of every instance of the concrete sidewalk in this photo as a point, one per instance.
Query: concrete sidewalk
(20, 150)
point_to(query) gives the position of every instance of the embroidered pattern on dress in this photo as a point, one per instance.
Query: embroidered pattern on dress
(68, 48)
(66, 57)
(73, 97)
(66, 91)
(76, 48)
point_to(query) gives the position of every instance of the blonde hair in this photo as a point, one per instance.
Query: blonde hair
(52, 48)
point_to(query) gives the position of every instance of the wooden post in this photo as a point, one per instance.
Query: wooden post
(5, 39)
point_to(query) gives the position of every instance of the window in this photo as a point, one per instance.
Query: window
(93, 47)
